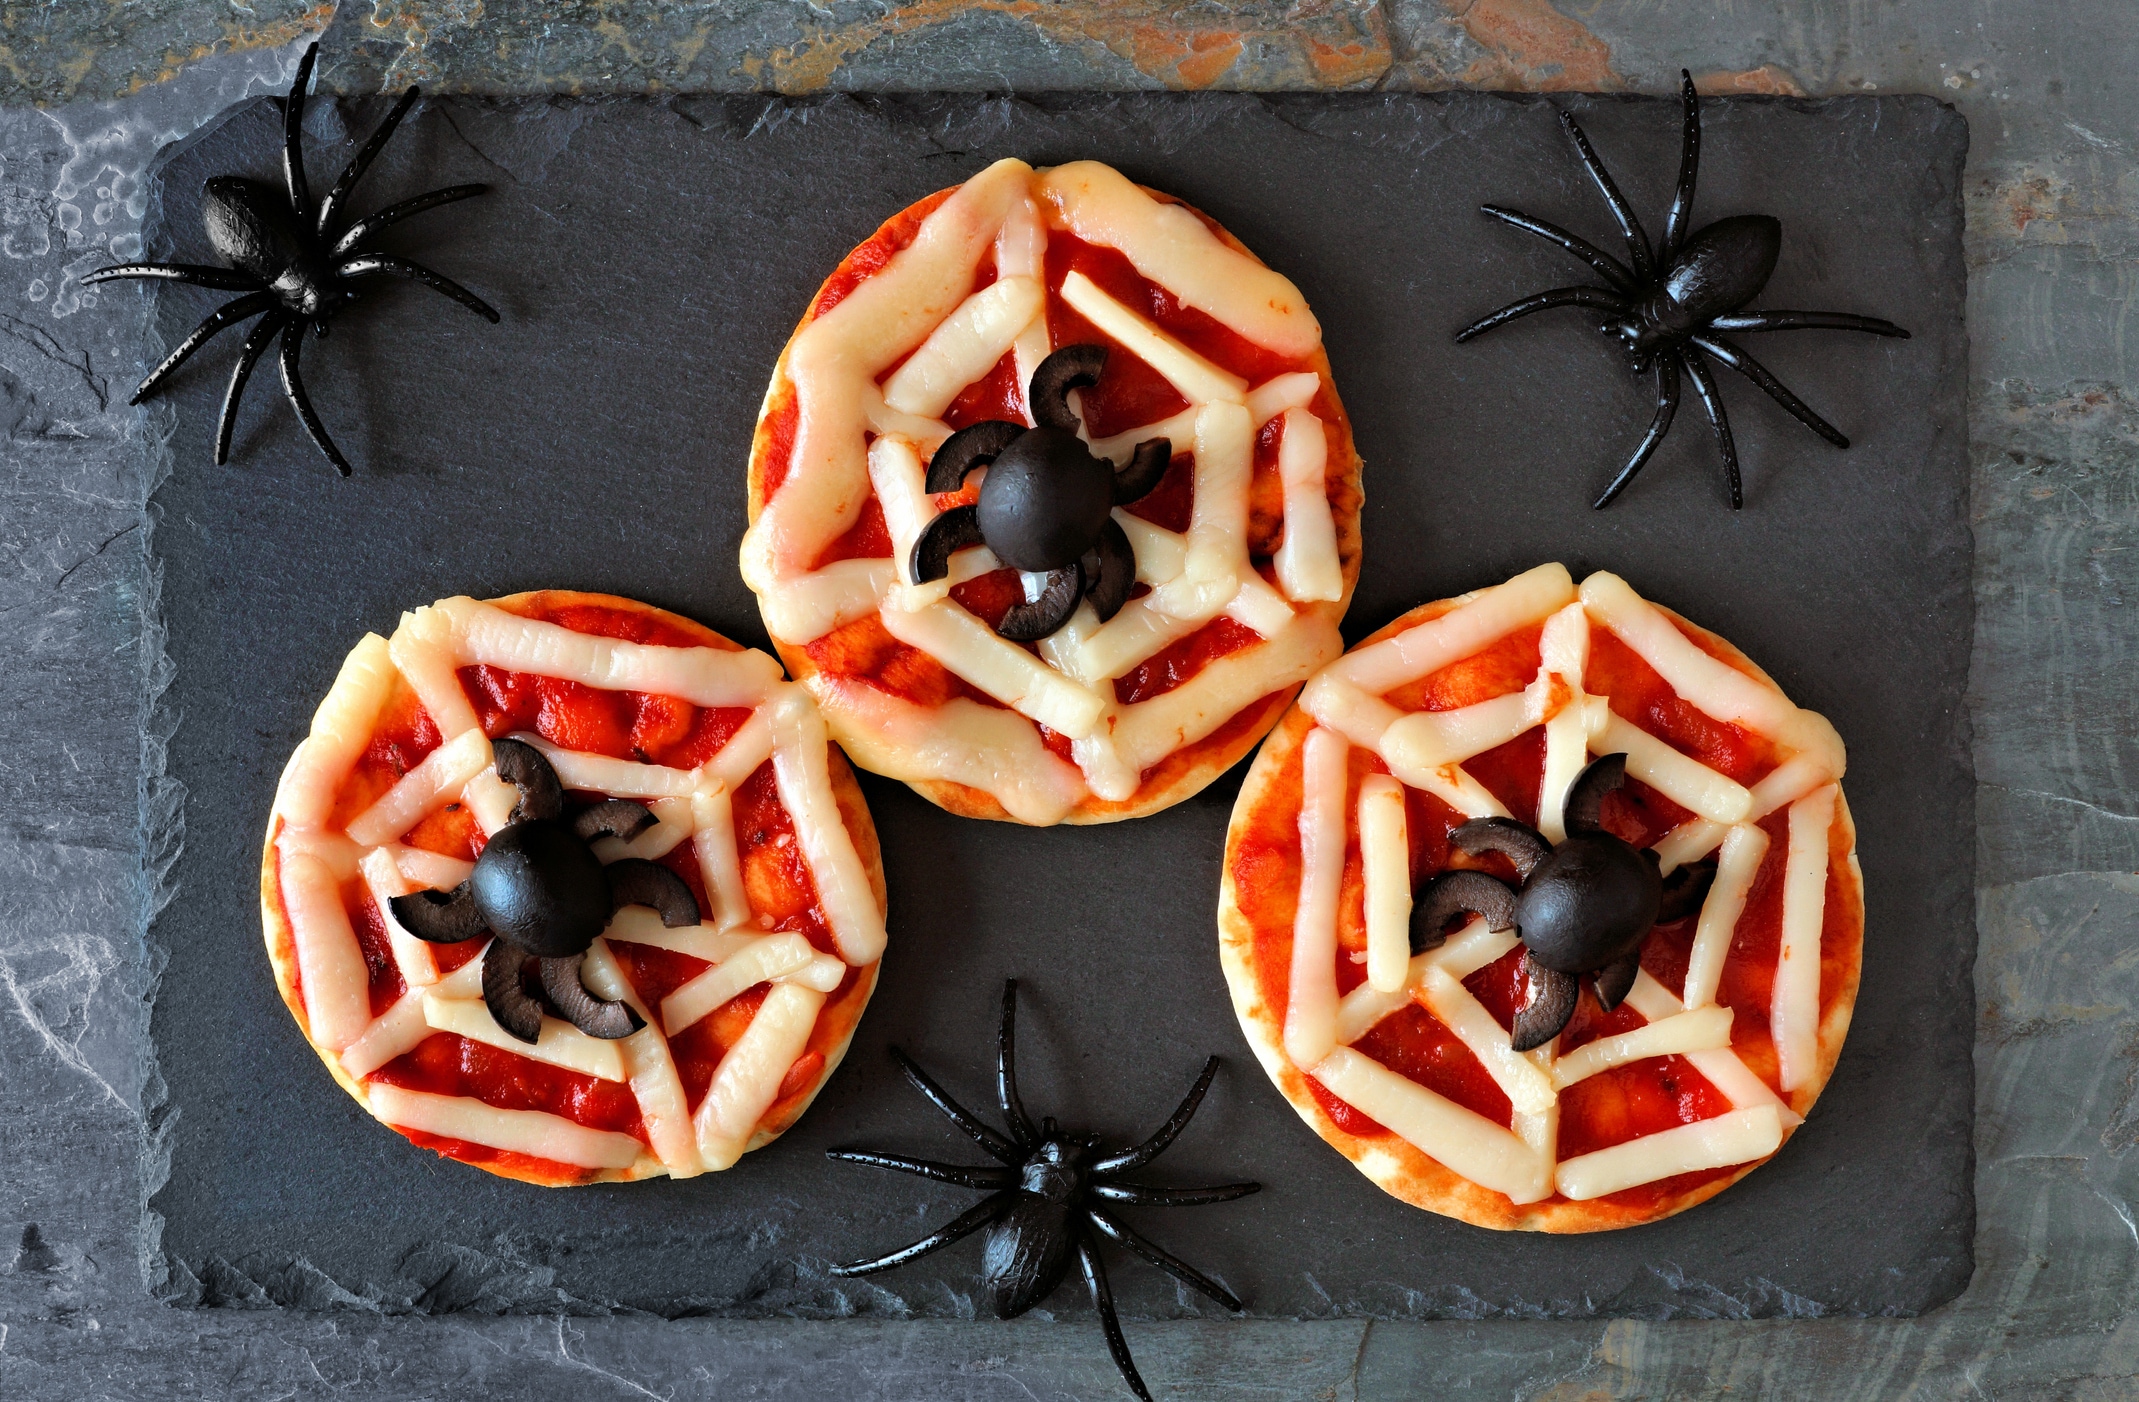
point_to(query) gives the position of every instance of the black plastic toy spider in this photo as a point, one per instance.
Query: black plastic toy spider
(294, 265)
(543, 893)
(1044, 1206)
(1668, 307)
(1585, 906)
(1046, 503)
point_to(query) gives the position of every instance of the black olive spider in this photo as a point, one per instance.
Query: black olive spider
(1045, 506)
(541, 891)
(1669, 306)
(1585, 907)
(296, 266)
(1044, 1204)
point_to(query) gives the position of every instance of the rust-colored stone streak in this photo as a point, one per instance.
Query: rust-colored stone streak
(1532, 47)
(46, 60)
(1770, 80)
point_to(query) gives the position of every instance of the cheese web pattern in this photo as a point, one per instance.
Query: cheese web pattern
(869, 377)
(1427, 750)
(330, 861)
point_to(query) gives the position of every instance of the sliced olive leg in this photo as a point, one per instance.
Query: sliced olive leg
(1616, 979)
(1518, 842)
(636, 881)
(953, 531)
(616, 817)
(597, 1017)
(1072, 367)
(1006, 1071)
(1146, 469)
(1030, 622)
(1549, 1000)
(1585, 796)
(438, 917)
(1109, 571)
(1684, 890)
(523, 766)
(968, 450)
(1453, 893)
(505, 996)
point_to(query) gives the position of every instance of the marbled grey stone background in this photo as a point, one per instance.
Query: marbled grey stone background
(2053, 232)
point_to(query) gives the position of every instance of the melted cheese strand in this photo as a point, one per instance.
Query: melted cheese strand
(1795, 1017)
(804, 609)
(430, 871)
(1481, 619)
(341, 728)
(1344, 708)
(748, 1080)
(1743, 850)
(1734, 1138)
(1461, 1140)
(1295, 389)
(1787, 783)
(1311, 1007)
(719, 867)
(762, 960)
(964, 346)
(746, 750)
(532, 1132)
(331, 974)
(1150, 730)
(340, 855)
(1703, 1029)
(674, 823)
(801, 766)
(1723, 1069)
(1528, 1089)
(901, 487)
(1427, 740)
(1198, 380)
(1385, 860)
(1563, 653)
(1306, 562)
(424, 649)
(704, 676)
(1465, 953)
(558, 1043)
(979, 746)
(384, 880)
(401, 1028)
(423, 790)
(1021, 251)
(1013, 676)
(1217, 555)
(637, 925)
(490, 801)
(655, 1084)
(1679, 777)
(619, 778)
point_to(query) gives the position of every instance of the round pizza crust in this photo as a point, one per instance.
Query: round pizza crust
(834, 1031)
(1397, 1166)
(1186, 771)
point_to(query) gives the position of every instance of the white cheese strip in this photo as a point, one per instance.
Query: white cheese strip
(749, 747)
(1539, 1132)
(401, 1028)
(1021, 251)
(1463, 954)
(1795, 1017)
(824, 972)
(719, 865)
(430, 786)
(1295, 390)
(1133, 635)
(1002, 669)
(340, 855)
(1257, 606)
(1306, 561)
(1461, 1140)
(531, 1132)
(1563, 653)
(1173, 248)
(1105, 769)
(804, 609)
(619, 778)
(901, 486)
(1703, 1029)
(1734, 1138)
(1280, 393)
(1311, 1005)
(748, 1080)
(801, 767)
(491, 800)
(964, 346)
(1482, 619)
(1385, 859)
(635, 924)
(663, 1108)
(703, 676)
(1743, 850)
(1198, 380)
(1344, 708)
(1452, 784)
(331, 976)
(1723, 1069)
(762, 960)
(1528, 1089)
(341, 728)
(1150, 730)
(1679, 777)
(1428, 739)
(559, 1043)
(675, 821)
(1179, 430)
(423, 648)
(428, 870)
(1785, 784)
(1217, 555)
(1160, 553)
(384, 880)
(970, 563)
(882, 419)
(982, 747)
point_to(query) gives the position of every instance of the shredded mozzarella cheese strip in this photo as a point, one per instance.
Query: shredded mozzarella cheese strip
(1461, 1140)
(1703, 1029)
(704, 676)
(1481, 619)
(341, 728)
(1199, 381)
(384, 880)
(655, 1083)
(719, 865)
(332, 977)
(401, 1028)
(761, 961)
(1528, 1089)
(1679, 777)
(531, 1132)
(748, 1079)
(801, 767)
(430, 786)
(1311, 1009)
(964, 346)
(1739, 1136)
(1385, 857)
(1563, 651)
(1786, 784)
(1013, 676)
(1306, 561)
(1744, 849)
(1723, 1069)
(558, 1043)
(1795, 1017)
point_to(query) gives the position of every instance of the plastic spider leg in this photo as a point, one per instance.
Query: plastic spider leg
(958, 1175)
(1095, 1279)
(1806, 321)
(371, 264)
(1629, 225)
(192, 274)
(361, 162)
(394, 213)
(1139, 1195)
(1006, 1074)
(963, 1225)
(997, 1146)
(1681, 215)
(256, 345)
(293, 150)
(1704, 385)
(1129, 1160)
(1603, 299)
(1609, 268)
(1667, 405)
(293, 389)
(1165, 1260)
(1756, 372)
(223, 317)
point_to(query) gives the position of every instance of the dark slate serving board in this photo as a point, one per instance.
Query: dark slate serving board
(650, 260)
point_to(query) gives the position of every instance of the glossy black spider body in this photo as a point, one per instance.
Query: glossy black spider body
(1045, 506)
(297, 266)
(544, 895)
(1584, 908)
(1670, 305)
(1046, 1205)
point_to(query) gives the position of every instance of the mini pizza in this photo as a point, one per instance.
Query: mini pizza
(1053, 502)
(573, 889)
(1426, 832)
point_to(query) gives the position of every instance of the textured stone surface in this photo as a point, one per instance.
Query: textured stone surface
(2052, 233)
